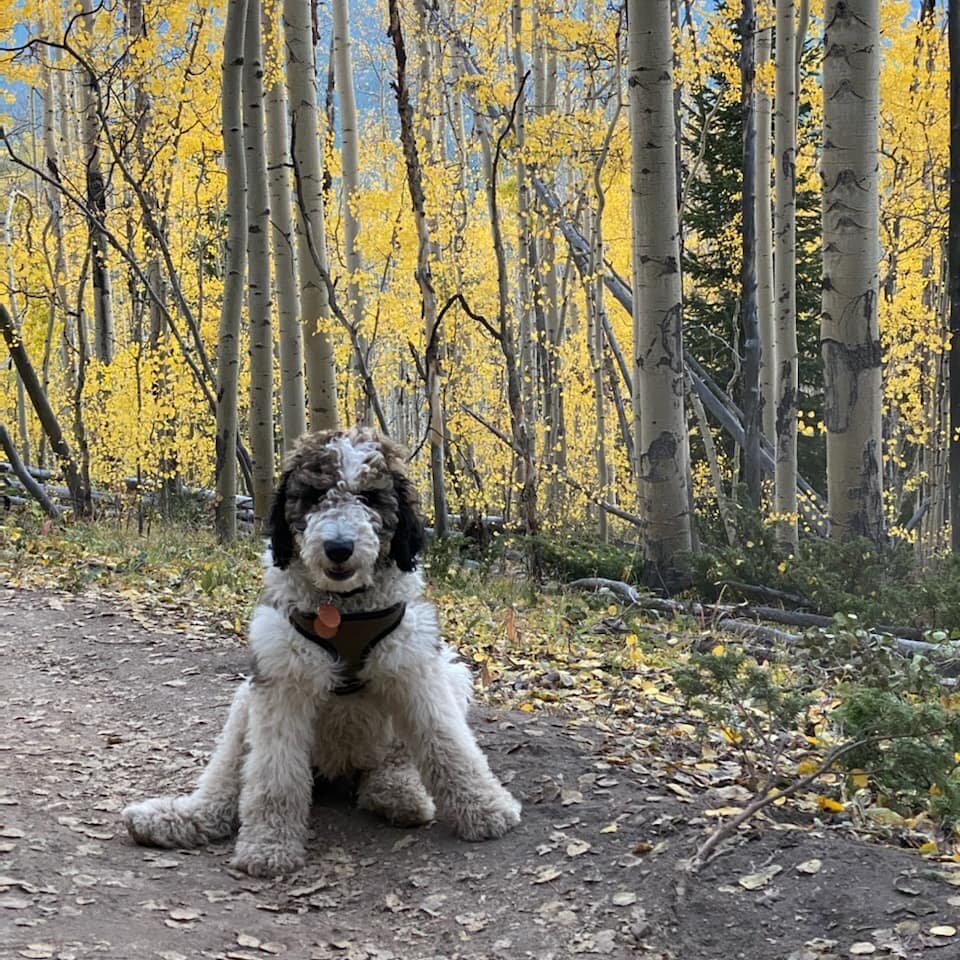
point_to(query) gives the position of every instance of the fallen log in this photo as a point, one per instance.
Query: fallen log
(23, 475)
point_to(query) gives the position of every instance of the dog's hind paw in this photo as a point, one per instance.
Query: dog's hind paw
(489, 818)
(267, 861)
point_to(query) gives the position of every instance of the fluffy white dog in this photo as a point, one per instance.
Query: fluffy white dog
(350, 676)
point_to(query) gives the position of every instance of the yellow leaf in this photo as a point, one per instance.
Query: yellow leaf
(718, 650)
(526, 707)
(829, 804)
(929, 847)
(806, 766)
(860, 779)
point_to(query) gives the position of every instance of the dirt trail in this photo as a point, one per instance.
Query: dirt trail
(100, 705)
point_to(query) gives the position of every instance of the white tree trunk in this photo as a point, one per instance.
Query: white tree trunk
(259, 306)
(228, 359)
(311, 238)
(766, 308)
(350, 163)
(104, 339)
(426, 250)
(659, 418)
(849, 334)
(286, 279)
(785, 276)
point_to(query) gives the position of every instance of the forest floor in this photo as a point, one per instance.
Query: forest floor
(109, 694)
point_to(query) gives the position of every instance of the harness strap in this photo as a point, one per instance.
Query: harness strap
(353, 639)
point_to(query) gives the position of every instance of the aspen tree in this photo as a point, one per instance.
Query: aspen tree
(104, 339)
(785, 274)
(290, 333)
(849, 333)
(766, 311)
(259, 306)
(659, 419)
(311, 238)
(751, 398)
(350, 164)
(228, 360)
(424, 276)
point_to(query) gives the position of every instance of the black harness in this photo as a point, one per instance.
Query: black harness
(352, 641)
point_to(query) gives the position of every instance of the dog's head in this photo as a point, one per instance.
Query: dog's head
(344, 506)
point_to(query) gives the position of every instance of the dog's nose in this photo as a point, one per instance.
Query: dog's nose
(338, 550)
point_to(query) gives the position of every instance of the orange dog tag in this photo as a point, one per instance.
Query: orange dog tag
(327, 621)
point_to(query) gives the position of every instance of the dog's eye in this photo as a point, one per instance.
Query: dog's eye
(298, 526)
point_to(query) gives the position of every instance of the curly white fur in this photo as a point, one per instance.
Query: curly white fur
(405, 733)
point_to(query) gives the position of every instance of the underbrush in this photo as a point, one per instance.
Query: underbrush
(880, 732)
(168, 561)
(880, 585)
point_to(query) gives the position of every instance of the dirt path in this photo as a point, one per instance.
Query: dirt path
(100, 706)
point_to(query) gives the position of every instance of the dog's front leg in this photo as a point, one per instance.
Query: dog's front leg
(277, 782)
(431, 720)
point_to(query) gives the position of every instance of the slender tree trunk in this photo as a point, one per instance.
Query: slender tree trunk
(22, 428)
(521, 429)
(785, 277)
(752, 399)
(104, 337)
(766, 305)
(228, 360)
(52, 109)
(79, 492)
(424, 276)
(850, 339)
(286, 282)
(953, 271)
(350, 163)
(259, 305)
(659, 417)
(311, 237)
(527, 280)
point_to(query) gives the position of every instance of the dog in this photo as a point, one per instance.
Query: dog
(350, 676)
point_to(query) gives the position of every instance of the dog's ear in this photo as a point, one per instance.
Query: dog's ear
(408, 538)
(281, 536)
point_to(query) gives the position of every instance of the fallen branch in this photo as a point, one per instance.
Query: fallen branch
(764, 592)
(733, 619)
(726, 830)
(23, 475)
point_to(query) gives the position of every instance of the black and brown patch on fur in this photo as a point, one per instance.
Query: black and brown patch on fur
(313, 468)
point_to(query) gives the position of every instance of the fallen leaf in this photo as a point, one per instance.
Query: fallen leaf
(13, 903)
(183, 916)
(861, 948)
(724, 812)
(810, 867)
(546, 874)
(623, 898)
(473, 922)
(754, 881)
(245, 940)
(37, 951)
(577, 848)
(944, 930)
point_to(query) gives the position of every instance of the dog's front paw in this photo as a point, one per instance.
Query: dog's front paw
(158, 823)
(488, 817)
(268, 860)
